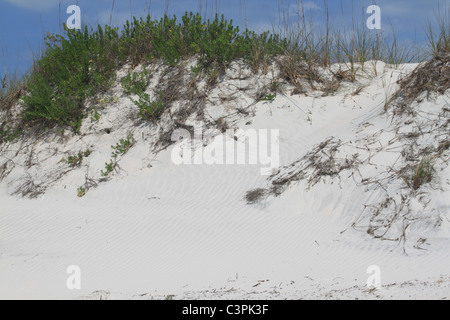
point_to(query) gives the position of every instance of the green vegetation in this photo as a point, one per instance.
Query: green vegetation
(9, 134)
(149, 109)
(269, 98)
(136, 82)
(415, 176)
(109, 167)
(423, 173)
(75, 160)
(95, 116)
(81, 191)
(119, 149)
(12, 87)
(439, 42)
(81, 64)
(72, 68)
(123, 146)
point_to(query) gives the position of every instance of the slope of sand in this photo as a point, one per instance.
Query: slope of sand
(156, 229)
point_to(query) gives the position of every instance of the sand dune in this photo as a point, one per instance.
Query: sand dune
(156, 229)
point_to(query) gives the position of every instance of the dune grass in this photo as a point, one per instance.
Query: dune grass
(439, 38)
(11, 89)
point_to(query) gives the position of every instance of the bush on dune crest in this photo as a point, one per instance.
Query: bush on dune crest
(71, 69)
(83, 63)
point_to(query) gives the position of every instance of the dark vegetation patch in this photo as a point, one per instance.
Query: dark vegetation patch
(82, 63)
(255, 196)
(430, 77)
(321, 162)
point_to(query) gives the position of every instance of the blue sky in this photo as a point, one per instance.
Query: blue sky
(24, 23)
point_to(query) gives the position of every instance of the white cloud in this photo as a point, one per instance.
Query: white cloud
(309, 5)
(40, 5)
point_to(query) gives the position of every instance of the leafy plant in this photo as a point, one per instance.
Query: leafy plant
(81, 191)
(73, 67)
(10, 134)
(109, 167)
(76, 160)
(197, 69)
(102, 102)
(136, 83)
(270, 97)
(123, 146)
(95, 116)
(213, 76)
(81, 64)
(149, 109)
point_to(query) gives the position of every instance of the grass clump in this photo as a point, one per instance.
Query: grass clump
(439, 41)
(11, 89)
(255, 196)
(423, 173)
(415, 176)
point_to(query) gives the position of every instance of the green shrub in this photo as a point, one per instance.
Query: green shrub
(81, 192)
(9, 134)
(82, 63)
(269, 98)
(76, 160)
(123, 146)
(136, 82)
(212, 40)
(95, 116)
(149, 109)
(71, 69)
(109, 167)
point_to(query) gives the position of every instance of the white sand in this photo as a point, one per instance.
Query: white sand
(156, 229)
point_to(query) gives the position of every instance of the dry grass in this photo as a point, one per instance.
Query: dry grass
(12, 88)
(431, 77)
(439, 42)
(423, 173)
(255, 196)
